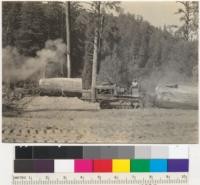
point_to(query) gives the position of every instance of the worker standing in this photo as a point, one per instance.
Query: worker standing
(135, 88)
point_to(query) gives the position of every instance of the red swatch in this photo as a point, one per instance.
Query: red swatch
(102, 165)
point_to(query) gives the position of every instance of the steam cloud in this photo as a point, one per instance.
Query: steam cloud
(17, 67)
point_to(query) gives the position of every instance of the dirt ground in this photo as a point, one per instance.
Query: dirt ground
(70, 120)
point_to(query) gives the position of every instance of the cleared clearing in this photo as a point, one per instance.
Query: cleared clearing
(70, 120)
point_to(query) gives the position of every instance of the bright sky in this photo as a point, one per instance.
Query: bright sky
(157, 13)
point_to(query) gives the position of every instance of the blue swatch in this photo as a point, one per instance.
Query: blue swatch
(158, 165)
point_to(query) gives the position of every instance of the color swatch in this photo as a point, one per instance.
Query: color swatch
(102, 152)
(82, 165)
(102, 165)
(140, 165)
(62, 166)
(102, 159)
(34, 166)
(121, 165)
(98, 165)
(158, 165)
(178, 165)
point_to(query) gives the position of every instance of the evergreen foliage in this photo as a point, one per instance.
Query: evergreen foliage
(130, 46)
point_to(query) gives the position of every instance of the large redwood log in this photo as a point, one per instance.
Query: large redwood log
(71, 85)
(177, 96)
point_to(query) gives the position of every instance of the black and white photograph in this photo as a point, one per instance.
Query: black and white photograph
(100, 72)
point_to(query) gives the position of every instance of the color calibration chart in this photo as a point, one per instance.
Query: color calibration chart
(140, 165)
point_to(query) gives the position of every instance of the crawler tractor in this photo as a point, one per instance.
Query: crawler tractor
(115, 97)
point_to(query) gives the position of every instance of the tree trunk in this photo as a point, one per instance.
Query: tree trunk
(68, 39)
(95, 54)
(94, 66)
(100, 43)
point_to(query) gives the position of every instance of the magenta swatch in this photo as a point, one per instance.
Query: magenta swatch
(82, 165)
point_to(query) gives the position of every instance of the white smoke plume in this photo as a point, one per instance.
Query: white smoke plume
(17, 67)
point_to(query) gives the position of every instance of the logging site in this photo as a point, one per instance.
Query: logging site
(100, 72)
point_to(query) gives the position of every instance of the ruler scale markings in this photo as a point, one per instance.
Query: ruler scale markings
(158, 179)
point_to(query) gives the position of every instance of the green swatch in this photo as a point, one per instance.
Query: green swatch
(140, 165)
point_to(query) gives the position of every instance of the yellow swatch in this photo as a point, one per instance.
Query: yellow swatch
(120, 165)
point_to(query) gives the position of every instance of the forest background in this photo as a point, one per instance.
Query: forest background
(130, 47)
